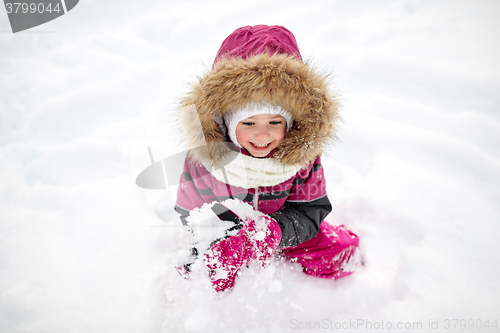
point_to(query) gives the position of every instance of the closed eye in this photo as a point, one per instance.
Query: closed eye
(248, 123)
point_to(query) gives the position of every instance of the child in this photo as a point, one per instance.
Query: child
(266, 118)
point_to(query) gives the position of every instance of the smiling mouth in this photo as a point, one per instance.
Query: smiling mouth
(261, 146)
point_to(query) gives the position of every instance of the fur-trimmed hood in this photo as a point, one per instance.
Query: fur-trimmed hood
(277, 79)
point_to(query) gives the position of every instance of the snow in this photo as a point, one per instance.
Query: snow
(416, 172)
(204, 227)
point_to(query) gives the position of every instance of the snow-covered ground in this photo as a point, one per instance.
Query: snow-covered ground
(416, 173)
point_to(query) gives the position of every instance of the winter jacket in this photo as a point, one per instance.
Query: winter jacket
(254, 65)
(299, 204)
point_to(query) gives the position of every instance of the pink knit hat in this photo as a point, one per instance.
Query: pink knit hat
(250, 41)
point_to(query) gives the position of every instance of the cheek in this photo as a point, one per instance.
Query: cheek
(241, 134)
(279, 135)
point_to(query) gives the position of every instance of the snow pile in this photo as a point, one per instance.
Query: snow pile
(259, 301)
(205, 228)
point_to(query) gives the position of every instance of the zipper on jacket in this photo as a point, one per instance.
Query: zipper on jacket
(256, 199)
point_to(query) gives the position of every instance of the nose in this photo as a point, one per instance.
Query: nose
(262, 132)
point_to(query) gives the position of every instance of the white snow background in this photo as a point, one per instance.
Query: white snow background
(416, 173)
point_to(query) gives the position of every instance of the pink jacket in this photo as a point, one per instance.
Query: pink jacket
(254, 65)
(299, 204)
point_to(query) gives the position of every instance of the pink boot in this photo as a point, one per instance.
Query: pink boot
(333, 253)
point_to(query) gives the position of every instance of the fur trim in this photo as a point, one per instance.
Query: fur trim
(249, 172)
(277, 79)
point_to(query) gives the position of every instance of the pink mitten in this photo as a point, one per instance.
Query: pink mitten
(254, 241)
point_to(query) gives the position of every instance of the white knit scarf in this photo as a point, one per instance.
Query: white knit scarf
(250, 172)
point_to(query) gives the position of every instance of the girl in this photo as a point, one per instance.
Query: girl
(265, 119)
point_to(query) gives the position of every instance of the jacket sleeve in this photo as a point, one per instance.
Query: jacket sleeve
(305, 208)
(192, 192)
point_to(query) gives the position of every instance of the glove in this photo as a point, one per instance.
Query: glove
(256, 240)
(231, 222)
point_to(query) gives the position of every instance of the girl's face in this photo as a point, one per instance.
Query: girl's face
(261, 133)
